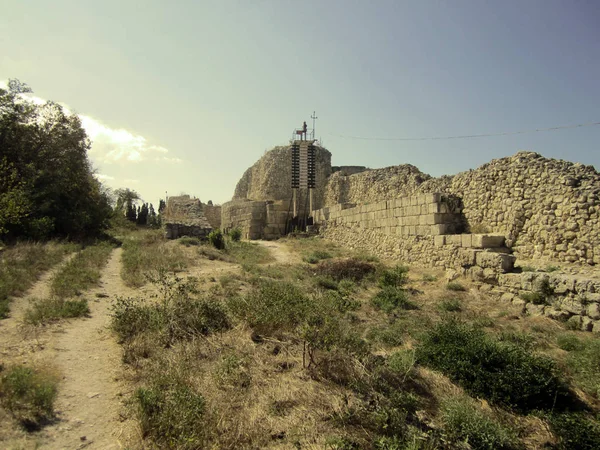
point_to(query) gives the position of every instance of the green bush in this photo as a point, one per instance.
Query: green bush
(272, 306)
(503, 373)
(316, 256)
(569, 342)
(172, 414)
(394, 277)
(533, 297)
(52, 309)
(28, 395)
(392, 335)
(450, 305)
(391, 298)
(463, 422)
(232, 371)
(575, 431)
(455, 286)
(235, 234)
(215, 237)
(351, 269)
(429, 278)
(189, 241)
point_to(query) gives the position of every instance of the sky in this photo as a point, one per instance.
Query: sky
(184, 96)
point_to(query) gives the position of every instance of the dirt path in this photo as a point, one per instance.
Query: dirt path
(280, 252)
(83, 351)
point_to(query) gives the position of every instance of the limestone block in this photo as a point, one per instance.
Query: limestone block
(454, 239)
(414, 201)
(497, 261)
(586, 324)
(527, 280)
(576, 321)
(572, 305)
(593, 311)
(535, 310)
(425, 220)
(507, 297)
(439, 241)
(593, 297)
(433, 208)
(466, 257)
(487, 241)
(432, 198)
(466, 240)
(596, 327)
(451, 275)
(436, 230)
(519, 303)
(557, 314)
(510, 280)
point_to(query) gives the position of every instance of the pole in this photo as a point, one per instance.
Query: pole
(310, 202)
(314, 117)
(295, 205)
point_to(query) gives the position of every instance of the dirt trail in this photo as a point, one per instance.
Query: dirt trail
(280, 252)
(88, 358)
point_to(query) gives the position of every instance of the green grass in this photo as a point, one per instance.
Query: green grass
(583, 363)
(28, 395)
(428, 278)
(81, 272)
(147, 252)
(52, 309)
(455, 286)
(391, 299)
(317, 255)
(243, 252)
(504, 373)
(450, 305)
(394, 277)
(188, 241)
(465, 423)
(21, 266)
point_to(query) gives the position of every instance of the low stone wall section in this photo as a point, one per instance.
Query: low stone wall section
(255, 219)
(213, 215)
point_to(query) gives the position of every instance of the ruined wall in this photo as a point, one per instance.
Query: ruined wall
(270, 177)
(548, 209)
(184, 216)
(255, 219)
(213, 215)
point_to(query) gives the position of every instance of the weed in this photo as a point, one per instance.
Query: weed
(391, 336)
(464, 422)
(450, 305)
(189, 241)
(527, 269)
(235, 234)
(551, 269)
(232, 371)
(55, 308)
(428, 278)
(394, 277)
(28, 395)
(392, 298)
(172, 414)
(247, 253)
(81, 272)
(216, 239)
(503, 373)
(352, 269)
(569, 342)
(584, 364)
(22, 264)
(575, 431)
(316, 256)
(455, 286)
(327, 283)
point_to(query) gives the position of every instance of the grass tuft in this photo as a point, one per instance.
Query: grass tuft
(49, 310)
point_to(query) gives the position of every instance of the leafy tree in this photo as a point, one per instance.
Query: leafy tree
(152, 219)
(47, 187)
(130, 212)
(142, 218)
(124, 197)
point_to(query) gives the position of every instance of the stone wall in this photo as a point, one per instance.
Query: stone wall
(548, 209)
(255, 219)
(213, 215)
(184, 216)
(418, 215)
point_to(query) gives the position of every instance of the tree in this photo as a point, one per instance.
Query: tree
(152, 219)
(49, 188)
(124, 197)
(142, 218)
(130, 212)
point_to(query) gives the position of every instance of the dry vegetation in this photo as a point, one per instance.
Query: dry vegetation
(343, 352)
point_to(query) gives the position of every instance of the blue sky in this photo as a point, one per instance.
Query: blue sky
(183, 96)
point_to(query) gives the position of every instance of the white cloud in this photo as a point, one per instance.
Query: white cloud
(102, 177)
(110, 145)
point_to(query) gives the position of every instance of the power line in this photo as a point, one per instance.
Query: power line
(469, 136)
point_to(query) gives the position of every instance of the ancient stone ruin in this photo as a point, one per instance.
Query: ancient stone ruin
(484, 223)
(186, 216)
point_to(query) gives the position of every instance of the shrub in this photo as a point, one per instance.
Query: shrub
(450, 305)
(232, 371)
(352, 269)
(391, 298)
(235, 234)
(463, 422)
(22, 264)
(189, 241)
(569, 342)
(316, 256)
(551, 269)
(327, 283)
(54, 308)
(390, 336)
(81, 272)
(503, 373)
(427, 278)
(575, 431)
(172, 414)
(394, 277)
(28, 395)
(455, 286)
(533, 297)
(215, 237)
(272, 306)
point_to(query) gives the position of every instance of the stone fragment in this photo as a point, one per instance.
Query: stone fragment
(557, 314)
(507, 297)
(535, 310)
(519, 303)
(596, 327)
(451, 275)
(497, 261)
(593, 311)
(586, 324)
(487, 240)
(573, 306)
(439, 241)
(575, 322)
